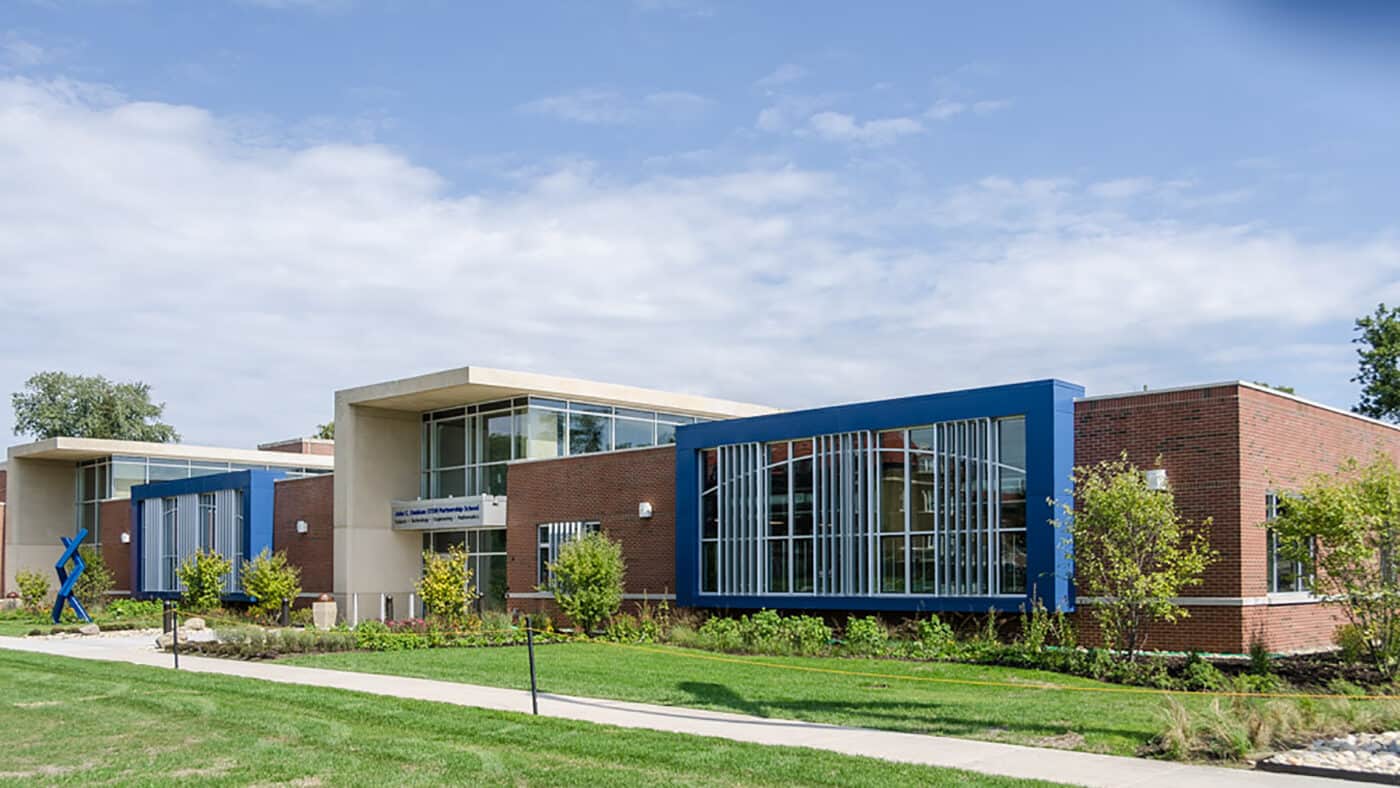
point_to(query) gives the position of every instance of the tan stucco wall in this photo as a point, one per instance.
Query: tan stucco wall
(39, 509)
(376, 461)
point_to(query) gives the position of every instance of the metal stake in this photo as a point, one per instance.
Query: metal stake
(530, 647)
(175, 633)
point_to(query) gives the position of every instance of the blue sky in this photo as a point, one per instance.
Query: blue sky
(250, 204)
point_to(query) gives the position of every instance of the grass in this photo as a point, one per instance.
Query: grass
(76, 721)
(1038, 713)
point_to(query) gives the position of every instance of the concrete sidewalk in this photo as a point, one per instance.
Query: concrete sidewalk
(986, 757)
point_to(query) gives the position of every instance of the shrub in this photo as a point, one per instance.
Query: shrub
(586, 580)
(96, 581)
(1352, 642)
(497, 621)
(1260, 663)
(1200, 675)
(375, 635)
(444, 585)
(33, 589)
(807, 635)
(133, 608)
(202, 576)
(721, 634)
(269, 578)
(627, 628)
(933, 638)
(867, 637)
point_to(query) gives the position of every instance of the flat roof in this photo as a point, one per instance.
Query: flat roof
(466, 385)
(1242, 384)
(78, 449)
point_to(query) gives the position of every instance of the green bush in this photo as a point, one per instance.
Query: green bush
(269, 578)
(721, 634)
(96, 581)
(33, 589)
(444, 586)
(375, 635)
(125, 609)
(627, 628)
(867, 637)
(202, 575)
(934, 639)
(1200, 675)
(586, 580)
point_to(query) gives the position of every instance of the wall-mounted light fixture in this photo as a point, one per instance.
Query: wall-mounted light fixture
(126, 537)
(1157, 479)
(302, 527)
(644, 510)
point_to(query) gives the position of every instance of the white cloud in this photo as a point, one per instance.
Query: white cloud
(988, 106)
(1121, 188)
(602, 106)
(20, 52)
(594, 106)
(944, 109)
(838, 127)
(247, 280)
(782, 75)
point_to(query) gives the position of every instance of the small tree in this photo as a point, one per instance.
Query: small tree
(586, 580)
(1131, 551)
(56, 404)
(96, 581)
(326, 431)
(202, 575)
(445, 585)
(33, 589)
(1378, 361)
(1350, 520)
(269, 578)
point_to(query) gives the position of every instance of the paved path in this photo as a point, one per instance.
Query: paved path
(986, 757)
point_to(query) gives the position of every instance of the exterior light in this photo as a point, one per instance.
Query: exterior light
(1157, 479)
(644, 510)
(126, 537)
(302, 527)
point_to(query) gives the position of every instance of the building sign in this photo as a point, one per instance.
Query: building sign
(448, 513)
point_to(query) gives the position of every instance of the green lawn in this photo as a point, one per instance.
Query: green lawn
(1036, 714)
(80, 722)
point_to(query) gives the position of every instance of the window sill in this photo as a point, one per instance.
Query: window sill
(1293, 598)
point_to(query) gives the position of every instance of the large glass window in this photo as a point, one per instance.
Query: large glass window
(930, 510)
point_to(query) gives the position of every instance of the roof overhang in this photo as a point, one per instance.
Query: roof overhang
(481, 384)
(79, 449)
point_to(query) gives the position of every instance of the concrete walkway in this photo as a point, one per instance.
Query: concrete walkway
(986, 757)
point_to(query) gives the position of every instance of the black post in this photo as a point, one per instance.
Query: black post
(286, 619)
(388, 607)
(166, 615)
(530, 647)
(175, 633)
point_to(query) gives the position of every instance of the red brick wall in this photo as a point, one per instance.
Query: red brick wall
(301, 446)
(2, 486)
(602, 487)
(1196, 434)
(311, 499)
(1224, 448)
(114, 519)
(3, 589)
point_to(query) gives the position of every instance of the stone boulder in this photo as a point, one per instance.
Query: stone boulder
(194, 624)
(89, 629)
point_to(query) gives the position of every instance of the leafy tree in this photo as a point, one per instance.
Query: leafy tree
(445, 585)
(326, 431)
(1284, 389)
(586, 580)
(1131, 551)
(33, 589)
(202, 575)
(1348, 523)
(1379, 361)
(56, 404)
(96, 581)
(269, 578)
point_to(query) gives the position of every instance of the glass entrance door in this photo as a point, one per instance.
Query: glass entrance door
(486, 558)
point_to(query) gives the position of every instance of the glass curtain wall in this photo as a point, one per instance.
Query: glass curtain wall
(106, 478)
(935, 510)
(465, 450)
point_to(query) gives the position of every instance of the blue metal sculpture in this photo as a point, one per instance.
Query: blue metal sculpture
(67, 582)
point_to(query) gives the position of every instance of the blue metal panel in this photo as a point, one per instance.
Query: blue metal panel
(257, 489)
(1048, 406)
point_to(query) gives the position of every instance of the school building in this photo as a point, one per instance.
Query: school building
(934, 503)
